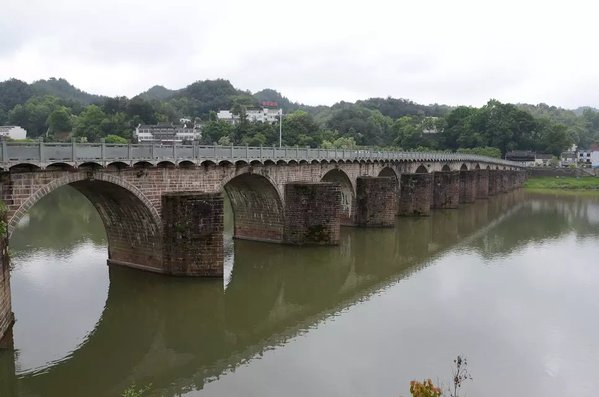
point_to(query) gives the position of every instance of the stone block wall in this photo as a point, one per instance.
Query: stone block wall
(193, 234)
(257, 208)
(416, 194)
(312, 213)
(376, 201)
(446, 189)
(134, 234)
(482, 184)
(468, 186)
(493, 182)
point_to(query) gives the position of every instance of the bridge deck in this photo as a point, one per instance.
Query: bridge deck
(43, 154)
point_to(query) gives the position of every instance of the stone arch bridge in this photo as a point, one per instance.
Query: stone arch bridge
(162, 206)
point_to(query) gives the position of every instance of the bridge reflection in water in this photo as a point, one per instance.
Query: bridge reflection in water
(179, 333)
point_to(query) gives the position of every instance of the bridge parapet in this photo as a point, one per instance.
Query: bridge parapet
(42, 154)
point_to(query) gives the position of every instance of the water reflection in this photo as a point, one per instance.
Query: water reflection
(180, 334)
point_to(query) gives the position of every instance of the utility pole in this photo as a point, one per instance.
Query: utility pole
(280, 127)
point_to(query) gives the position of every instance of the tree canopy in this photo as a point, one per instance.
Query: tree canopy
(47, 107)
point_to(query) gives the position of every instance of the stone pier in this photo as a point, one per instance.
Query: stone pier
(493, 182)
(520, 178)
(376, 201)
(416, 194)
(6, 315)
(193, 234)
(482, 184)
(446, 189)
(312, 213)
(468, 186)
(513, 180)
(505, 183)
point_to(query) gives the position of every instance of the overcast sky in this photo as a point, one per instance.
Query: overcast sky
(315, 52)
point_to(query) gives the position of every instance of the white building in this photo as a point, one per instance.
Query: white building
(543, 159)
(595, 156)
(584, 156)
(264, 115)
(12, 132)
(167, 133)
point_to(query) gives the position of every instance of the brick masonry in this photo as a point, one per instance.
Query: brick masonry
(376, 201)
(271, 202)
(482, 184)
(193, 234)
(446, 189)
(257, 208)
(493, 182)
(312, 213)
(134, 235)
(416, 194)
(348, 196)
(468, 186)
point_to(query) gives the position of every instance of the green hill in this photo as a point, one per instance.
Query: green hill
(62, 89)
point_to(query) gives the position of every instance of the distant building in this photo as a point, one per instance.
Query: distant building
(568, 158)
(595, 156)
(12, 132)
(543, 159)
(265, 115)
(167, 133)
(584, 156)
(524, 157)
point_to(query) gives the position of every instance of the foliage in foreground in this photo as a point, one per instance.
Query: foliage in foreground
(569, 183)
(135, 391)
(427, 388)
(424, 389)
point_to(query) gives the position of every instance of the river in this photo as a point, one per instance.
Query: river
(512, 283)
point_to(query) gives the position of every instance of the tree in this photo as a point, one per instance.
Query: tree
(482, 151)
(13, 92)
(214, 131)
(459, 125)
(89, 123)
(115, 105)
(553, 138)
(59, 121)
(299, 128)
(138, 106)
(115, 139)
(33, 115)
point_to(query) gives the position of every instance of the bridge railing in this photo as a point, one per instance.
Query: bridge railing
(43, 153)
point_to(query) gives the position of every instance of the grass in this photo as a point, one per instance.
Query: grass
(568, 183)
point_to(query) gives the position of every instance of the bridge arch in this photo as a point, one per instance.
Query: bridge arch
(464, 167)
(348, 196)
(132, 223)
(421, 169)
(389, 172)
(257, 207)
(446, 168)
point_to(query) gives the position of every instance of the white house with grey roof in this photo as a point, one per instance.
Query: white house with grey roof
(12, 132)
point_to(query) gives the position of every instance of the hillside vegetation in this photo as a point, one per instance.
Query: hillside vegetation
(54, 108)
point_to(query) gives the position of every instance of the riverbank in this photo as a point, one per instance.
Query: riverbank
(567, 183)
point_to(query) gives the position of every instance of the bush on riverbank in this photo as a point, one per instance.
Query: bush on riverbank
(572, 183)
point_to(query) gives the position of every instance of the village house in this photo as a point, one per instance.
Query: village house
(265, 115)
(12, 132)
(167, 133)
(524, 157)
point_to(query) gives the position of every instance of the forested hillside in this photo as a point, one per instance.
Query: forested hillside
(55, 109)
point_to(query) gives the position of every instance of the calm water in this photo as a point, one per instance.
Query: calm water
(512, 283)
